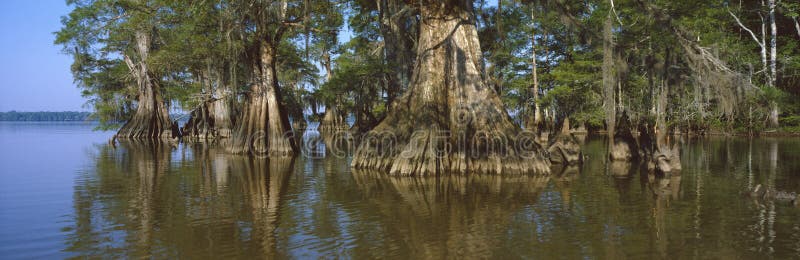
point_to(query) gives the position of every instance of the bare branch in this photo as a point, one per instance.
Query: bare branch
(752, 34)
(796, 26)
(615, 13)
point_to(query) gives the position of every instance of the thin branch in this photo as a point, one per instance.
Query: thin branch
(796, 26)
(615, 13)
(752, 34)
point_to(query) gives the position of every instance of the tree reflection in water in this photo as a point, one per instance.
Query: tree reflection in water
(194, 201)
(141, 201)
(450, 217)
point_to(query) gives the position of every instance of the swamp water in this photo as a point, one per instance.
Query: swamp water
(67, 193)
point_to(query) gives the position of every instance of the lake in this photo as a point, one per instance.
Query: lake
(67, 192)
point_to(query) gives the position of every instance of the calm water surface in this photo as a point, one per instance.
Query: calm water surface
(67, 193)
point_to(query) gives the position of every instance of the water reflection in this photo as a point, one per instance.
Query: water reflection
(149, 200)
(450, 217)
(142, 200)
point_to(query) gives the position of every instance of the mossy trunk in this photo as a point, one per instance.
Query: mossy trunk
(151, 119)
(609, 82)
(449, 121)
(264, 126)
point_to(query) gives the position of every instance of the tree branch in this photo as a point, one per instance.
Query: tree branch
(615, 13)
(752, 34)
(796, 26)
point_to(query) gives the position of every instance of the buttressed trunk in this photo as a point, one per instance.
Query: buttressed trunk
(151, 119)
(264, 128)
(449, 121)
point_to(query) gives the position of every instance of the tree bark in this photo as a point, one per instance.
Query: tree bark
(537, 114)
(609, 81)
(449, 120)
(151, 119)
(221, 107)
(773, 64)
(264, 128)
(773, 48)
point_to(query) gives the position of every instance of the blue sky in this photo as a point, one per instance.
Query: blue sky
(34, 74)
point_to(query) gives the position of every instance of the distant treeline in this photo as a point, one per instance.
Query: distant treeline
(44, 116)
(62, 116)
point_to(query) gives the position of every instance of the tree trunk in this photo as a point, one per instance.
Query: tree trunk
(773, 64)
(264, 128)
(773, 48)
(200, 125)
(398, 48)
(565, 148)
(537, 114)
(774, 113)
(151, 119)
(211, 119)
(221, 107)
(449, 120)
(609, 81)
(332, 121)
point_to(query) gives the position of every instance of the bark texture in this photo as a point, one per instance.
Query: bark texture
(537, 114)
(609, 82)
(449, 121)
(151, 119)
(222, 113)
(264, 127)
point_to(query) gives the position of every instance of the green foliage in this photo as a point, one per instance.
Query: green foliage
(210, 49)
(357, 79)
